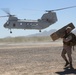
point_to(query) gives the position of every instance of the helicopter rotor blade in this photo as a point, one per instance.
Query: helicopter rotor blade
(3, 16)
(7, 16)
(60, 9)
(6, 10)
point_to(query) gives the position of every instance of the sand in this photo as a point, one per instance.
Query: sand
(34, 59)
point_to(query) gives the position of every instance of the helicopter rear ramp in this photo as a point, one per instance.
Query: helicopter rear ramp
(59, 33)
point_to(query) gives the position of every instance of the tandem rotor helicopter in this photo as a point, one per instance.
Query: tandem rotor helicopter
(46, 20)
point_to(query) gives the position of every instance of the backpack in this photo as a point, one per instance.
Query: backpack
(73, 41)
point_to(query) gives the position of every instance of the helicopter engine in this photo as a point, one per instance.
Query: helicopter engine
(49, 17)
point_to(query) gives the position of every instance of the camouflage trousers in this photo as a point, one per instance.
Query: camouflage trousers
(67, 50)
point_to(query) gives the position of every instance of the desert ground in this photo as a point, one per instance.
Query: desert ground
(42, 58)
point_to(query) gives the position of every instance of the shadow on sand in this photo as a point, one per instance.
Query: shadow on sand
(67, 71)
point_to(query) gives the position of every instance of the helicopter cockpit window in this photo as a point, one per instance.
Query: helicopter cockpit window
(7, 23)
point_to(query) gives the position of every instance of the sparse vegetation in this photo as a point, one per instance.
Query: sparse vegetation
(26, 39)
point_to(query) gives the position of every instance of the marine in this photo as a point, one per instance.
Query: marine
(67, 47)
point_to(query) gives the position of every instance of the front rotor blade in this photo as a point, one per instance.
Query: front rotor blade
(3, 16)
(6, 10)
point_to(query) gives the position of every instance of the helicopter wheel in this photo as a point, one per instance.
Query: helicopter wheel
(10, 31)
(39, 30)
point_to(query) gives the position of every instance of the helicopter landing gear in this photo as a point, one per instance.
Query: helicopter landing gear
(39, 30)
(10, 31)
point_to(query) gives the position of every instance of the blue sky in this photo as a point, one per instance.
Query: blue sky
(34, 9)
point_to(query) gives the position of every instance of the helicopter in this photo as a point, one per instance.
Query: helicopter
(45, 21)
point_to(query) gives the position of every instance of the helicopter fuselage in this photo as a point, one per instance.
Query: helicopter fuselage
(46, 20)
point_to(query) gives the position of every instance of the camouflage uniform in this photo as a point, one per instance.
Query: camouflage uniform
(67, 49)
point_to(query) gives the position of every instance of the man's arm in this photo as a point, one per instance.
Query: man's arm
(67, 39)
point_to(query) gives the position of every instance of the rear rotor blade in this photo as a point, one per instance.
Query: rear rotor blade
(60, 9)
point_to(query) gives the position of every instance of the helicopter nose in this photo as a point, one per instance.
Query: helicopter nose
(5, 25)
